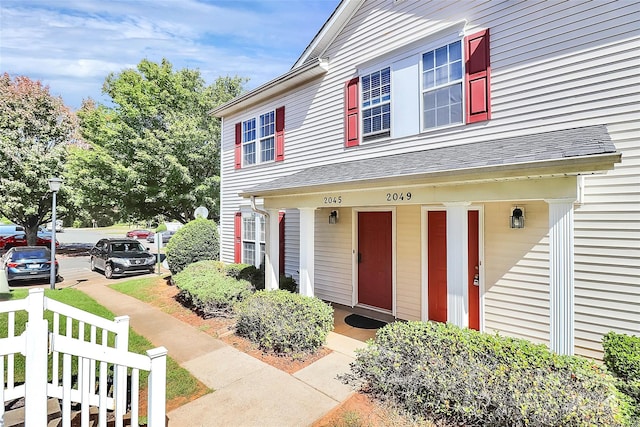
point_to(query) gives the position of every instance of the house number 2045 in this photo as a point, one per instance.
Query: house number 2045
(395, 197)
(332, 200)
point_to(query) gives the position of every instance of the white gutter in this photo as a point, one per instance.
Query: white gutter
(289, 80)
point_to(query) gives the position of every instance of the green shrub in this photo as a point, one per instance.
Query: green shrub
(161, 227)
(208, 292)
(284, 323)
(465, 377)
(235, 270)
(288, 283)
(196, 241)
(622, 357)
(254, 275)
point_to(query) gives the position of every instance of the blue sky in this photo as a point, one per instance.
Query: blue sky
(72, 45)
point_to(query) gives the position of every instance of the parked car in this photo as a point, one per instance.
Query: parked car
(166, 235)
(28, 263)
(139, 234)
(59, 228)
(20, 239)
(10, 229)
(118, 257)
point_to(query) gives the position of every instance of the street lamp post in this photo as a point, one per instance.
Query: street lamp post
(54, 186)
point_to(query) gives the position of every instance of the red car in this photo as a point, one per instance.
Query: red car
(20, 239)
(138, 234)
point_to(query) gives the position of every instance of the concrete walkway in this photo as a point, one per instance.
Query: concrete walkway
(248, 392)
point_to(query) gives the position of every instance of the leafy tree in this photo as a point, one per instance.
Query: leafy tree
(157, 146)
(35, 128)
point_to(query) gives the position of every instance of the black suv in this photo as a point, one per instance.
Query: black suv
(117, 257)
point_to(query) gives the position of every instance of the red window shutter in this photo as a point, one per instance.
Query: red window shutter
(238, 148)
(237, 238)
(281, 230)
(478, 77)
(280, 134)
(351, 113)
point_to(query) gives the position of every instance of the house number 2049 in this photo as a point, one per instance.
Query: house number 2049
(395, 197)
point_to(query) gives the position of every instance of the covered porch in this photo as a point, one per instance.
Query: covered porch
(539, 172)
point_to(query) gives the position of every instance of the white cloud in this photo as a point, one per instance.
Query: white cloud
(73, 45)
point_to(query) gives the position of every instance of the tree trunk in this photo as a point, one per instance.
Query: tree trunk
(32, 235)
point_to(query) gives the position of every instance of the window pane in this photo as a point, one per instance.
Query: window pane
(428, 79)
(455, 51)
(455, 93)
(429, 119)
(366, 125)
(427, 61)
(267, 150)
(248, 253)
(442, 116)
(267, 124)
(442, 97)
(366, 83)
(249, 130)
(455, 71)
(456, 113)
(250, 153)
(248, 228)
(442, 75)
(441, 56)
(262, 229)
(429, 100)
(376, 93)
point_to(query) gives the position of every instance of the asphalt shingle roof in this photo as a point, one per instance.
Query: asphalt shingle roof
(540, 147)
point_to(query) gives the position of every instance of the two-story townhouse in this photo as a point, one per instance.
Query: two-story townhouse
(469, 162)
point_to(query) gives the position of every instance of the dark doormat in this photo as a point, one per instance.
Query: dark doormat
(362, 322)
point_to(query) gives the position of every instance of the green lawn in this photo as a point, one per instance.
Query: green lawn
(180, 383)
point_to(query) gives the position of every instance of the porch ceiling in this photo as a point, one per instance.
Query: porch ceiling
(575, 151)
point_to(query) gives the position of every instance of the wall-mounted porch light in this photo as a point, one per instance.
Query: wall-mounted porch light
(517, 218)
(333, 217)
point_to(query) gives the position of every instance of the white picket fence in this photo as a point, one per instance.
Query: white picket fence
(102, 370)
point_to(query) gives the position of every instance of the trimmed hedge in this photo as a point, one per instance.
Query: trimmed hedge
(464, 377)
(622, 357)
(196, 241)
(209, 292)
(285, 323)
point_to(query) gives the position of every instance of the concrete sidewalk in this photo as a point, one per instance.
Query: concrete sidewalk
(248, 392)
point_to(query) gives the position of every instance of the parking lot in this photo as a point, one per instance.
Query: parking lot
(73, 258)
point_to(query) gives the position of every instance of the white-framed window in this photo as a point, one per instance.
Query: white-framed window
(267, 136)
(376, 104)
(249, 141)
(258, 139)
(442, 78)
(253, 239)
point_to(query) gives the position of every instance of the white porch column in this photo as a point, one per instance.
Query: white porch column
(272, 251)
(307, 250)
(457, 255)
(561, 276)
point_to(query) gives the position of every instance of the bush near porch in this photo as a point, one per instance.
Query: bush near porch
(441, 372)
(208, 291)
(285, 323)
(622, 357)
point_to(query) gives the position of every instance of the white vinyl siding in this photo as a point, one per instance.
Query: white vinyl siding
(554, 65)
(516, 282)
(292, 244)
(333, 258)
(408, 261)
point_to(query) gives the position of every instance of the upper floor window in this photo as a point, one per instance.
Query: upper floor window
(258, 144)
(260, 139)
(442, 74)
(376, 104)
(445, 83)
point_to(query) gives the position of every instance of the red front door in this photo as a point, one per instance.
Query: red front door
(473, 269)
(437, 265)
(374, 259)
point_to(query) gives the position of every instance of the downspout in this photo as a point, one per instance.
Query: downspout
(255, 209)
